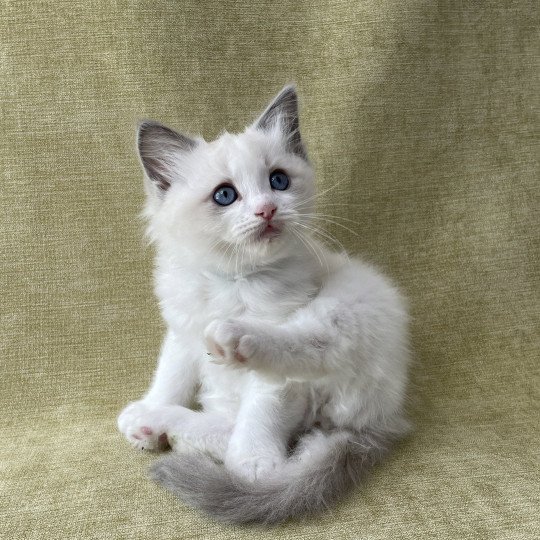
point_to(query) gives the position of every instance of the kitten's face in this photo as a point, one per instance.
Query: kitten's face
(235, 203)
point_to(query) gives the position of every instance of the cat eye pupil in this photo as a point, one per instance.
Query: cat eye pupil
(279, 180)
(225, 195)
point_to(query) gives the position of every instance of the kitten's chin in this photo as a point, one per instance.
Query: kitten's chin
(265, 247)
(268, 233)
(269, 244)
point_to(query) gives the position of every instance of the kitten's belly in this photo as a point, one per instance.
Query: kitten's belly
(222, 388)
(325, 405)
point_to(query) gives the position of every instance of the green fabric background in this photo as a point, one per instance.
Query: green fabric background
(422, 114)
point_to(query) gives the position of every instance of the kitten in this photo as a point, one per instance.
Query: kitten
(297, 355)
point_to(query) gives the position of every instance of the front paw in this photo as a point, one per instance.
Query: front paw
(143, 426)
(232, 342)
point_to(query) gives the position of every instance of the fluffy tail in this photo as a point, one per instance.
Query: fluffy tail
(322, 469)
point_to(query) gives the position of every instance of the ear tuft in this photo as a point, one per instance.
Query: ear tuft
(283, 111)
(159, 148)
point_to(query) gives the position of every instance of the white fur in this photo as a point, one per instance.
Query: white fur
(297, 334)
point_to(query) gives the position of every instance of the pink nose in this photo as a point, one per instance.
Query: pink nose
(266, 211)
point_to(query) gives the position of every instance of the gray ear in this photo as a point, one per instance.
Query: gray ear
(159, 148)
(284, 110)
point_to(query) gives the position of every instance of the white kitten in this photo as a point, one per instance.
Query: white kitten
(297, 355)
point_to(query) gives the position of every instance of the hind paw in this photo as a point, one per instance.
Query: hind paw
(256, 467)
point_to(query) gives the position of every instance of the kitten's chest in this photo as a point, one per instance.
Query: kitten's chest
(262, 297)
(191, 302)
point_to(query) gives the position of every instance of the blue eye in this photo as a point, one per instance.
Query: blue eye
(279, 180)
(225, 195)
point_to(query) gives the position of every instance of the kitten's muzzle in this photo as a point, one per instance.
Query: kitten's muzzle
(266, 211)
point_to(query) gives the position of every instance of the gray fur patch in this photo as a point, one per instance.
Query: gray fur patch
(284, 109)
(156, 144)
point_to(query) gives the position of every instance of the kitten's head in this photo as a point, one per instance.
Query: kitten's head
(235, 203)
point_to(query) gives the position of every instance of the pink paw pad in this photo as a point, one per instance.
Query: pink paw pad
(239, 357)
(146, 430)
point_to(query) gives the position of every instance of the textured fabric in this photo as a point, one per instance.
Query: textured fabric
(421, 119)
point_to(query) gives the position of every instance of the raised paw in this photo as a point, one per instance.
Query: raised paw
(143, 426)
(232, 342)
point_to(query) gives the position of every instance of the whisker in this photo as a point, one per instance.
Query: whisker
(232, 256)
(318, 194)
(317, 251)
(338, 224)
(309, 246)
(229, 246)
(251, 265)
(317, 214)
(329, 204)
(243, 253)
(237, 257)
(325, 235)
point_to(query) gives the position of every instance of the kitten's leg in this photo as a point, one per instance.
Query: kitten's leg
(177, 373)
(174, 382)
(358, 322)
(205, 431)
(267, 417)
(152, 427)
(287, 350)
